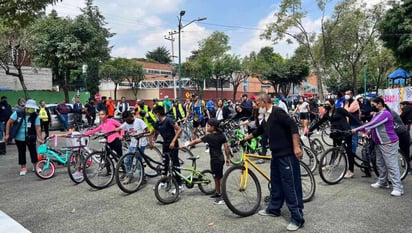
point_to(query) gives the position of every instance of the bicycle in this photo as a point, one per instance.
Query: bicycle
(310, 152)
(241, 188)
(334, 162)
(73, 156)
(252, 146)
(136, 165)
(100, 173)
(167, 189)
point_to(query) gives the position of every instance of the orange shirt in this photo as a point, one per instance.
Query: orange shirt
(110, 108)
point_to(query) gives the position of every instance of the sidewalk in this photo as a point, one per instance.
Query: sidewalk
(7, 224)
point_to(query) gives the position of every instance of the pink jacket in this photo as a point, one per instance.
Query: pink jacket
(107, 126)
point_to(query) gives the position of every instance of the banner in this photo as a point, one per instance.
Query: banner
(392, 98)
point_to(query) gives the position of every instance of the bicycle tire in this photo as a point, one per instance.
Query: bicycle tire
(75, 163)
(164, 188)
(243, 202)
(403, 165)
(45, 173)
(309, 158)
(333, 165)
(99, 174)
(155, 155)
(236, 152)
(134, 173)
(206, 182)
(325, 137)
(317, 147)
(308, 182)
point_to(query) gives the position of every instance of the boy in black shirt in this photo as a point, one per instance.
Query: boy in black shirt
(215, 139)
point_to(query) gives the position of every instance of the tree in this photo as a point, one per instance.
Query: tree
(20, 13)
(160, 54)
(14, 53)
(289, 23)
(350, 31)
(396, 31)
(223, 69)
(135, 74)
(65, 44)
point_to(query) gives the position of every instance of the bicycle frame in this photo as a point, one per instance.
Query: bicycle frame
(246, 162)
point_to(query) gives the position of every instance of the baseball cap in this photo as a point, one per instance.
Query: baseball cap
(213, 122)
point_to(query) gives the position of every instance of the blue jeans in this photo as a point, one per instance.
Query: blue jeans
(128, 161)
(354, 140)
(64, 118)
(2, 128)
(286, 187)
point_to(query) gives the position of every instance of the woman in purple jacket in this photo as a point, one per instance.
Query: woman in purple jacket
(384, 136)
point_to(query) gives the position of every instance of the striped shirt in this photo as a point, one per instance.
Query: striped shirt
(381, 128)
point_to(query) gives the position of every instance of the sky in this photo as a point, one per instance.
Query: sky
(142, 25)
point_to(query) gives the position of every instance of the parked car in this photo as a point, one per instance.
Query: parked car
(57, 124)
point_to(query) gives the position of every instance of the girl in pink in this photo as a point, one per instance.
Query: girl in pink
(108, 125)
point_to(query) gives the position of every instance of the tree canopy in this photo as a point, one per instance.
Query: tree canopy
(160, 55)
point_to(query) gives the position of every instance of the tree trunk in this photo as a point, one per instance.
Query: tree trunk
(115, 91)
(65, 87)
(319, 82)
(23, 84)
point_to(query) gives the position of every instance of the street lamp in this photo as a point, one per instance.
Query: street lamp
(181, 14)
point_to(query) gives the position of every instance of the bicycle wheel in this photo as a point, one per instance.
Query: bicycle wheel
(129, 173)
(155, 155)
(325, 137)
(100, 173)
(317, 146)
(75, 167)
(184, 154)
(309, 158)
(245, 200)
(236, 152)
(332, 165)
(45, 169)
(166, 190)
(206, 182)
(308, 182)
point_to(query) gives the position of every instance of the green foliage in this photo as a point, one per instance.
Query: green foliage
(20, 13)
(160, 55)
(396, 31)
(215, 46)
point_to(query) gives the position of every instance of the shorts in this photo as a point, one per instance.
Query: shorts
(304, 115)
(217, 169)
(202, 123)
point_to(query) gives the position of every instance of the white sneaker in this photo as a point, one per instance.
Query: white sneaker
(207, 150)
(378, 185)
(396, 193)
(181, 189)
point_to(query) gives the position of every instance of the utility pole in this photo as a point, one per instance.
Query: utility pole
(171, 38)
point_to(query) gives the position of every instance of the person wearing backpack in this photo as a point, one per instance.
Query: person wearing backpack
(27, 134)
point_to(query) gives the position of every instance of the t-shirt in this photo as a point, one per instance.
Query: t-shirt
(137, 127)
(166, 129)
(21, 133)
(215, 141)
(303, 107)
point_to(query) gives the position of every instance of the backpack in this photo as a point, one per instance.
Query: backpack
(16, 125)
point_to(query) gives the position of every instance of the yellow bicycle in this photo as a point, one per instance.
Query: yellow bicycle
(241, 189)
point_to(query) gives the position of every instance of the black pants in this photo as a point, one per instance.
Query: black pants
(404, 142)
(174, 155)
(21, 148)
(348, 148)
(116, 145)
(45, 127)
(91, 119)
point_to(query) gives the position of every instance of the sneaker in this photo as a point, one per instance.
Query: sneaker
(348, 175)
(23, 171)
(410, 171)
(77, 175)
(260, 161)
(207, 150)
(214, 196)
(396, 193)
(219, 201)
(181, 189)
(265, 213)
(161, 186)
(378, 185)
(293, 226)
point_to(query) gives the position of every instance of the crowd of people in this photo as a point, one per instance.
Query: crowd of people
(271, 118)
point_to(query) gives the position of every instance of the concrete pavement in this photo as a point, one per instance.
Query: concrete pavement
(58, 205)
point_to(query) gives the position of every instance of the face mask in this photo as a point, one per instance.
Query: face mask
(129, 121)
(276, 101)
(262, 110)
(30, 110)
(347, 97)
(328, 108)
(374, 109)
(225, 105)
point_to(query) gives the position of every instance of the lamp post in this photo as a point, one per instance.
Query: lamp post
(172, 40)
(180, 27)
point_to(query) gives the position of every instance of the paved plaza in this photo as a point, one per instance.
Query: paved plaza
(58, 205)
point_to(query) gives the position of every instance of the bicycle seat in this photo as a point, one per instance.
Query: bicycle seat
(194, 158)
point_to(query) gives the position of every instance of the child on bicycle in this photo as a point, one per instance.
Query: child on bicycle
(170, 132)
(216, 139)
(133, 126)
(107, 125)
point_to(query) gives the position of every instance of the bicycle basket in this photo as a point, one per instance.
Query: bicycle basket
(42, 149)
